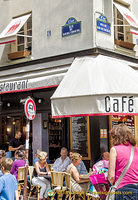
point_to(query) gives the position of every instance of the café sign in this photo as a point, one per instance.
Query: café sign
(123, 104)
(71, 27)
(103, 25)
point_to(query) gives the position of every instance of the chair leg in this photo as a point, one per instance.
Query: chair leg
(19, 190)
(38, 192)
(69, 196)
(30, 193)
(73, 197)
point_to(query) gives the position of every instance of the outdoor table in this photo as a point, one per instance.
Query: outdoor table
(45, 176)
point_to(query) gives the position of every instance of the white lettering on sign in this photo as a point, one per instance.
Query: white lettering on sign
(124, 104)
(11, 86)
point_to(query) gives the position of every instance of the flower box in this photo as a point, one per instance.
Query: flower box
(18, 54)
(127, 45)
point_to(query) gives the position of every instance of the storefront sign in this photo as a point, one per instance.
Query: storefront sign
(11, 86)
(31, 84)
(30, 108)
(103, 25)
(71, 27)
(124, 104)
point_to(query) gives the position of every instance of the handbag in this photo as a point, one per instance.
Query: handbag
(111, 192)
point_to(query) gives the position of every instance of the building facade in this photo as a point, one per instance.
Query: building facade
(38, 43)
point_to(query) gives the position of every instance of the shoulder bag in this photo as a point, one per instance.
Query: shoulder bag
(111, 192)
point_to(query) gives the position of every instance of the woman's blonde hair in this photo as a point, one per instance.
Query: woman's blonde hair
(42, 155)
(121, 134)
(76, 156)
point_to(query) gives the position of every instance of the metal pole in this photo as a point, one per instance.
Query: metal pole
(26, 159)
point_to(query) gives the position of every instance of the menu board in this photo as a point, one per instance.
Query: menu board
(128, 120)
(80, 135)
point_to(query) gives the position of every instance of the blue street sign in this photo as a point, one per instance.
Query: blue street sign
(71, 27)
(103, 25)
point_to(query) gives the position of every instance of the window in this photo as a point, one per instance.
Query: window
(122, 28)
(24, 38)
(24, 43)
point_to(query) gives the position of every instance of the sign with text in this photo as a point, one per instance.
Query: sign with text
(128, 120)
(71, 27)
(103, 25)
(124, 104)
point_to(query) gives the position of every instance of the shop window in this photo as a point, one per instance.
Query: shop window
(122, 34)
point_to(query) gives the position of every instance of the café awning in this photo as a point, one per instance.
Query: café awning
(98, 85)
(130, 18)
(9, 33)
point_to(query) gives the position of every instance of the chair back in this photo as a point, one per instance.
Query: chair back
(57, 178)
(68, 180)
(50, 167)
(21, 174)
(31, 171)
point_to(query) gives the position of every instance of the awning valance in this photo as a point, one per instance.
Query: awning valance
(25, 80)
(31, 84)
(9, 33)
(131, 19)
(96, 86)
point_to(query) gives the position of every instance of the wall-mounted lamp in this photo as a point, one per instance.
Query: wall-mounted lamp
(8, 129)
(8, 104)
(40, 100)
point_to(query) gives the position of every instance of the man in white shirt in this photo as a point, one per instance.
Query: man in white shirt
(61, 163)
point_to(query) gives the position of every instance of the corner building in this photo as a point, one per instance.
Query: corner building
(38, 44)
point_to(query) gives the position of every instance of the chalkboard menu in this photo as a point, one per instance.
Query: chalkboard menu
(80, 135)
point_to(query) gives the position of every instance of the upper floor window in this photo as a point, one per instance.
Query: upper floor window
(24, 36)
(122, 27)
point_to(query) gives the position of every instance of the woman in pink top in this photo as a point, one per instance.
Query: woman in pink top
(119, 157)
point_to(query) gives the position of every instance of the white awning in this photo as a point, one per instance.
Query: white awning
(131, 19)
(98, 85)
(9, 33)
(21, 81)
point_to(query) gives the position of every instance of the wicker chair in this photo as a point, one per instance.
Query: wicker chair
(57, 179)
(21, 175)
(31, 170)
(72, 195)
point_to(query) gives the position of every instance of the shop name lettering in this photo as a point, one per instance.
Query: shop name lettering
(123, 104)
(18, 85)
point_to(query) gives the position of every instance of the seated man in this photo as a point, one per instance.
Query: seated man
(81, 167)
(62, 162)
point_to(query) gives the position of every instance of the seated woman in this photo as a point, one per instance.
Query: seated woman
(41, 168)
(77, 184)
(19, 162)
(81, 167)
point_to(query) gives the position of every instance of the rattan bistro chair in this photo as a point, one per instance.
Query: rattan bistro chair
(57, 179)
(72, 195)
(21, 175)
(31, 170)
